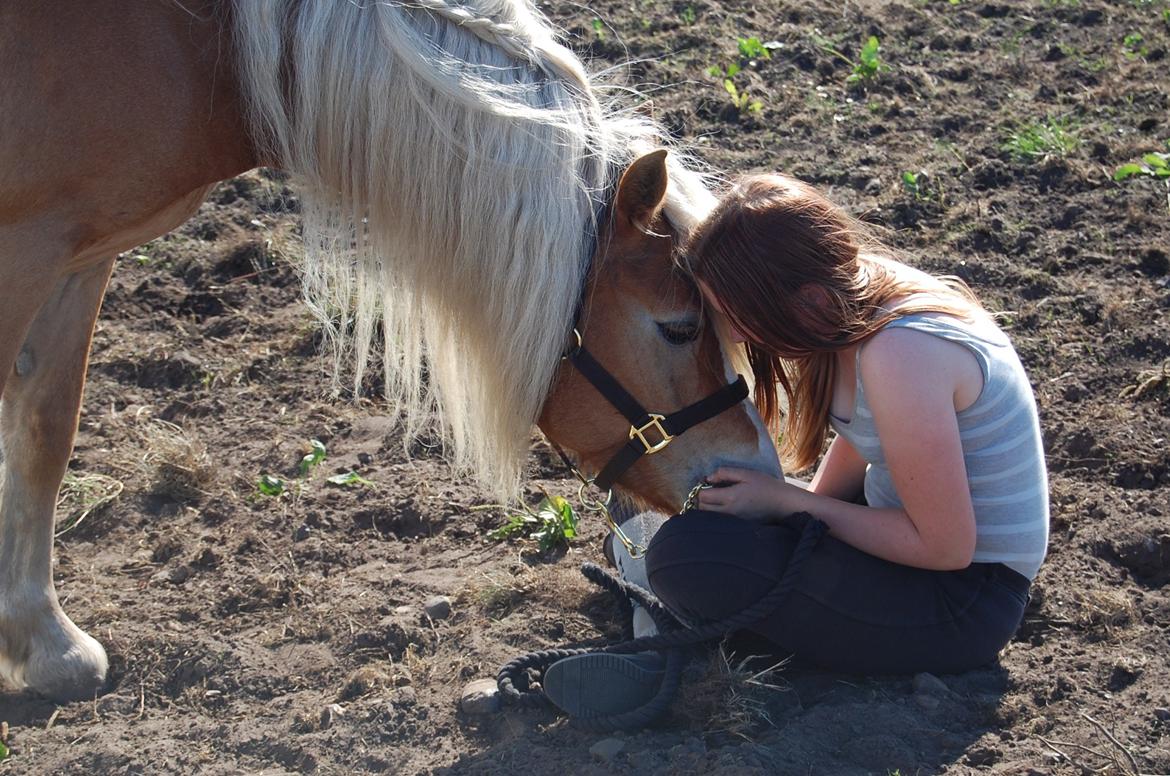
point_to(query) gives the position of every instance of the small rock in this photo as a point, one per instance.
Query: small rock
(982, 755)
(480, 697)
(175, 576)
(303, 532)
(438, 608)
(405, 696)
(928, 702)
(404, 611)
(607, 749)
(929, 684)
(330, 714)
(1162, 714)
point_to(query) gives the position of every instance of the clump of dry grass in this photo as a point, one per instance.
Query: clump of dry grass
(1150, 384)
(364, 681)
(499, 594)
(82, 495)
(731, 696)
(1102, 611)
(178, 465)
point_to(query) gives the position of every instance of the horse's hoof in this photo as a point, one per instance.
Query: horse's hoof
(64, 663)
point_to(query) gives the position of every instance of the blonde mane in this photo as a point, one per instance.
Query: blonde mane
(451, 161)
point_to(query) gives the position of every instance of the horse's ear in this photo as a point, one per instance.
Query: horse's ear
(640, 193)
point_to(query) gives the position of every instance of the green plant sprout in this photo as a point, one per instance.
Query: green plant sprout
(750, 49)
(869, 63)
(598, 28)
(1039, 140)
(1133, 46)
(552, 523)
(314, 457)
(348, 478)
(688, 15)
(269, 485)
(910, 183)
(741, 100)
(1153, 165)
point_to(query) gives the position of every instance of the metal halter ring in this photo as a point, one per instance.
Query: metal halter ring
(602, 506)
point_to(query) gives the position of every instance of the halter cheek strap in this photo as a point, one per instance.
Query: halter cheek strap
(650, 432)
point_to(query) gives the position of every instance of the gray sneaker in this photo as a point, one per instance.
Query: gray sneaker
(600, 684)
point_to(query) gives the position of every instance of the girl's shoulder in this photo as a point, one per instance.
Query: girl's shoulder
(911, 361)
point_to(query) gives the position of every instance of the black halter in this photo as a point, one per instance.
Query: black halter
(650, 432)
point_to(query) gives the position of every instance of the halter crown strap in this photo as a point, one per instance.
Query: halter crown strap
(649, 432)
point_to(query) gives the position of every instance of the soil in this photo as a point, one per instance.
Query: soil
(234, 620)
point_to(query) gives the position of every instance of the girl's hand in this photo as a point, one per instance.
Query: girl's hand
(750, 495)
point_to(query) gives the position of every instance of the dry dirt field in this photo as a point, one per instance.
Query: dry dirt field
(985, 145)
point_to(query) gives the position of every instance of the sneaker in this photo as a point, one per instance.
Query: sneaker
(599, 684)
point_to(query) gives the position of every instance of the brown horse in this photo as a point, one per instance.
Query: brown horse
(453, 160)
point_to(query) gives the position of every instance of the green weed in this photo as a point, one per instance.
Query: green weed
(268, 485)
(1133, 46)
(868, 64)
(599, 28)
(1040, 140)
(1152, 165)
(348, 478)
(910, 183)
(552, 523)
(741, 100)
(314, 457)
(3, 752)
(750, 50)
(688, 15)
(271, 485)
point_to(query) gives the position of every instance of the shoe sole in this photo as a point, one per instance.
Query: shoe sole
(597, 685)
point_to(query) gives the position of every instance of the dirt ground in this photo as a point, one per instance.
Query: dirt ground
(234, 619)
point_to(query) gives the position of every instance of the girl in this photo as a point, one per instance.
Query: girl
(934, 489)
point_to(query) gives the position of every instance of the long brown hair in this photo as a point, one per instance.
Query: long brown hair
(802, 280)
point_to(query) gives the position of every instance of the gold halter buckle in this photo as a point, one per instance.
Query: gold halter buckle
(655, 423)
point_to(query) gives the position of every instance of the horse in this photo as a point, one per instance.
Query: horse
(468, 199)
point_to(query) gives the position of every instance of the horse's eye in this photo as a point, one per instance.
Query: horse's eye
(679, 332)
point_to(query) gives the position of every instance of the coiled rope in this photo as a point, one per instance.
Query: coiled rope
(514, 678)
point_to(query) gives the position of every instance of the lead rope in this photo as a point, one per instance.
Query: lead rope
(515, 679)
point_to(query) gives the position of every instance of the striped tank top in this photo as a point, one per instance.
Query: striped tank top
(1002, 449)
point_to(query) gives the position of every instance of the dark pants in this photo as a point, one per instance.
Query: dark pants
(849, 611)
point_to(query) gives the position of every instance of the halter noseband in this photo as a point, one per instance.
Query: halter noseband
(650, 432)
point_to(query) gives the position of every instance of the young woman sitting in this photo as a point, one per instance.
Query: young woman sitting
(933, 490)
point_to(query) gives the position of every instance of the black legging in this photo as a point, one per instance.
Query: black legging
(849, 611)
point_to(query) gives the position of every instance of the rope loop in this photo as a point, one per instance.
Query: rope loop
(671, 640)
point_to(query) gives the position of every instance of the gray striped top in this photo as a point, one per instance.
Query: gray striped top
(1000, 434)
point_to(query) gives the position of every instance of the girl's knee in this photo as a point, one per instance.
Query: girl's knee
(697, 565)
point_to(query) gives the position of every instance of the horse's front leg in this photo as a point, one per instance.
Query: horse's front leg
(40, 648)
